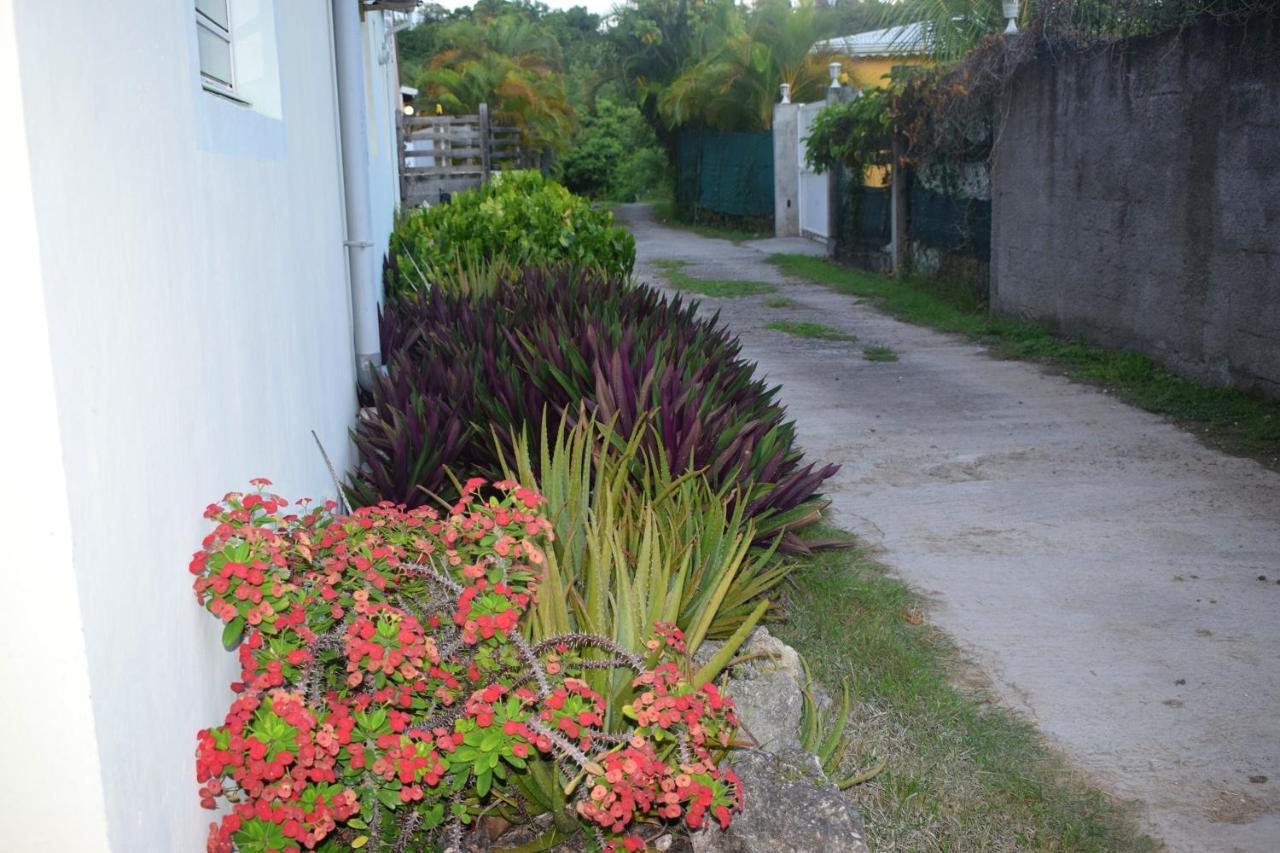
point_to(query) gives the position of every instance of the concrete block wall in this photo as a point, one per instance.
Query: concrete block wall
(786, 172)
(1136, 199)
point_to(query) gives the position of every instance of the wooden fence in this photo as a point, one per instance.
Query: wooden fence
(448, 154)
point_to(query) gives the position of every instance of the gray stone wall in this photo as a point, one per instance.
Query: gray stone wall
(1136, 199)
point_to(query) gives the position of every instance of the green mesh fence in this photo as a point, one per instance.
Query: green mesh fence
(949, 223)
(958, 227)
(863, 223)
(725, 173)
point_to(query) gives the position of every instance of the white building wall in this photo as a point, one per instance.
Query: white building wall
(50, 792)
(199, 327)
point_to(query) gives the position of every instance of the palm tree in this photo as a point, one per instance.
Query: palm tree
(746, 58)
(651, 43)
(954, 27)
(510, 63)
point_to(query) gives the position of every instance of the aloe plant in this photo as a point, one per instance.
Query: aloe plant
(637, 544)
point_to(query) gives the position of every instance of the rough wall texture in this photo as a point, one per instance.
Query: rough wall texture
(786, 171)
(1136, 199)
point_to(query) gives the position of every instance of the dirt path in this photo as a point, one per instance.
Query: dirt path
(1102, 566)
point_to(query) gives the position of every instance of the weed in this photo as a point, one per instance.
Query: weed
(779, 302)
(815, 331)
(879, 354)
(716, 288)
(664, 210)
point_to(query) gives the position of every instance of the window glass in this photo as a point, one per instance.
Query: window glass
(215, 56)
(216, 11)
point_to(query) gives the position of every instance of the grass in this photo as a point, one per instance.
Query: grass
(1234, 421)
(879, 354)
(779, 302)
(718, 288)
(664, 211)
(815, 331)
(960, 774)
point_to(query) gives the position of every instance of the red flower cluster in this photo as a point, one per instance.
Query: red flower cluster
(668, 709)
(383, 670)
(670, 702)
(268, 750)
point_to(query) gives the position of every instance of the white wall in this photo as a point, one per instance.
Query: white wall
(199, 328)
(48, 753)
(812, 187)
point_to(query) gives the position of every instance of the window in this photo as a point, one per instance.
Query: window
(217, 57)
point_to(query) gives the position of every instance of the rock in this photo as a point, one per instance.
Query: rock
(766, 692)
(788, 807)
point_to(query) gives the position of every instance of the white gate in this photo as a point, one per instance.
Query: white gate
(812, 186)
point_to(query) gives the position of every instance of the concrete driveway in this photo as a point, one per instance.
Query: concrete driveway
(1117, 581)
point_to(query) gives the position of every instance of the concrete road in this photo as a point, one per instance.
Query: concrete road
(1118, 581)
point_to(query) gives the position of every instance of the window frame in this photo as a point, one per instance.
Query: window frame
(210, 83)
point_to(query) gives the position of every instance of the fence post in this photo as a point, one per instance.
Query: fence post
(402, 157)
(834, 96)
(898, 208)
(485, 154)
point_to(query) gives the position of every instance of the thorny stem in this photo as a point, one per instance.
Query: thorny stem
(579, 640)
(451, 648)
(329, 640)
(408, 825)
(535, 666)
(428, 570)
(611, 663)
(605, 737)
(565, 746)
(343, 506)
(375, 819)
(454, 829)
(445, 718)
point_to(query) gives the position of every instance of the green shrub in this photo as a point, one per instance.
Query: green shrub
(615, 155)
(641, 173)
(520, 218)
(854, 134)
(551, 343)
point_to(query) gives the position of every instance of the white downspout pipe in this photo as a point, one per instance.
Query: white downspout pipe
(348, 51)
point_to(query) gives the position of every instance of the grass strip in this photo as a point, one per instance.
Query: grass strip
(814, 331)
(960, 773)
(879, 354)
(664, 211)
(1239, 422)
(779, 302)
(716, 288)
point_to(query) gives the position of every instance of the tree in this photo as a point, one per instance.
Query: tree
(614, 154)
(736, 85)
(512, 63)
(953, 26)
(650, 44)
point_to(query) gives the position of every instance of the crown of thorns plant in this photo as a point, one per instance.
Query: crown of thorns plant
(390, 700)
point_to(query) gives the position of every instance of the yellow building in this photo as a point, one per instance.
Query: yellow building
(867, 58)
